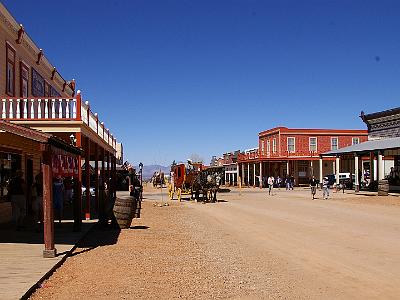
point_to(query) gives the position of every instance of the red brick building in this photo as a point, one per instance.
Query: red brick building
(296, 152)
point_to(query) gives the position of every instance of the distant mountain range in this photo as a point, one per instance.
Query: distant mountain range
(149, 170)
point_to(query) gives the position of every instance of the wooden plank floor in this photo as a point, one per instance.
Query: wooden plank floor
(21, 261)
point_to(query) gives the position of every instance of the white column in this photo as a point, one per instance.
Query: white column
(39, 115)
(260, 175)
(248, 174)
(46, 108)
(312, 168)
(25, 108)
(60, 108)
(32, 109)
(237, 173)
(18, 109)
(380, 166)
(357, 184)
(3, 110)
(242, 178)
(53, 108)
(337, 169)
(10, 111)
(287, 168)
(254, 174)
(320, 170)
(375, 170)
(74, 110)
(67, 109)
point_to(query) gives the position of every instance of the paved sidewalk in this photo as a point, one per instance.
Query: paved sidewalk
(21, 261)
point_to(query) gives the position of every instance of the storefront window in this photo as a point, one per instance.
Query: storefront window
(9, 163)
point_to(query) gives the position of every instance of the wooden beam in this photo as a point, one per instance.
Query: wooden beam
(87, 171)
(48, 214)
(78, 189)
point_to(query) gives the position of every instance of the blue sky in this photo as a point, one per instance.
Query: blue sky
(175, 78)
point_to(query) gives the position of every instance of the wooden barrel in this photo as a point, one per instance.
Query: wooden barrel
(383, 187)
(124, 211)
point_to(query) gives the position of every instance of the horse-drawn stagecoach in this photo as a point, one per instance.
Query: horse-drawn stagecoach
(195, 180)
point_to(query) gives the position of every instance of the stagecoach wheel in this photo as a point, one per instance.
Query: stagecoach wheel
(178, 193)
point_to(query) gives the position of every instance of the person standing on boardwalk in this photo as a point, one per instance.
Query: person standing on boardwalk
(17, 193)
(325, 188)
(270, 185)
(313, 185)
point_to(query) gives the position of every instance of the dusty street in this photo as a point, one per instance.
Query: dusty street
(250, 246)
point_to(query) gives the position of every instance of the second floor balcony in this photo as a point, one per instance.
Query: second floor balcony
(56, 110)
(257, 156)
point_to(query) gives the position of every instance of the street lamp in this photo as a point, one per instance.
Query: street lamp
(141, 180)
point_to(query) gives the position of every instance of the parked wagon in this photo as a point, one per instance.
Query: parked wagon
(158, 179)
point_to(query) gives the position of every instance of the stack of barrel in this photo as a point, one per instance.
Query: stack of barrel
(383, 187)
(125, 209)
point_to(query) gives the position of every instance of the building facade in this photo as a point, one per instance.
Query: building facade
(35, 94)
(295, 152)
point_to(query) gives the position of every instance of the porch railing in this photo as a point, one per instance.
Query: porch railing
(57, 109)
(279, 154)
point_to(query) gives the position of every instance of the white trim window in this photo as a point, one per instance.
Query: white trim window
(268, 147)
(262, 147)
(355, 140)
(334, 143)
(274, 145)
(291, 144)
(312, 144)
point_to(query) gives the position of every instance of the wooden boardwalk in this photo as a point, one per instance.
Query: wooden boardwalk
(21, 261)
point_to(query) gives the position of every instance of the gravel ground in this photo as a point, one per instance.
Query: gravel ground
(248, 247)
(168, 254)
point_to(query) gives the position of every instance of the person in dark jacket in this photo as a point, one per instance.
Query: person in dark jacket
(313, 185)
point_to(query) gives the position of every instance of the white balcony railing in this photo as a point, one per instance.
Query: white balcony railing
(36, 109)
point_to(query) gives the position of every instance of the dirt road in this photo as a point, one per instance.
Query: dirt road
(252, 246)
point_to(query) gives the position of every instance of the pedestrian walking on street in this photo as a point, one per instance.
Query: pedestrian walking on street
(292, 182)
(325, 188)
(279, 182)
(270, 185)
(313, 186)
(287, 182)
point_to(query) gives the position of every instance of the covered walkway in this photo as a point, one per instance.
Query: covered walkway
(23, 265)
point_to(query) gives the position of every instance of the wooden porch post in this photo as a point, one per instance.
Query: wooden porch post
(108, 173)
(48, 213)
(103, 198)
(87, 171)
(96, 177)
(78, 188)
(113, 176)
